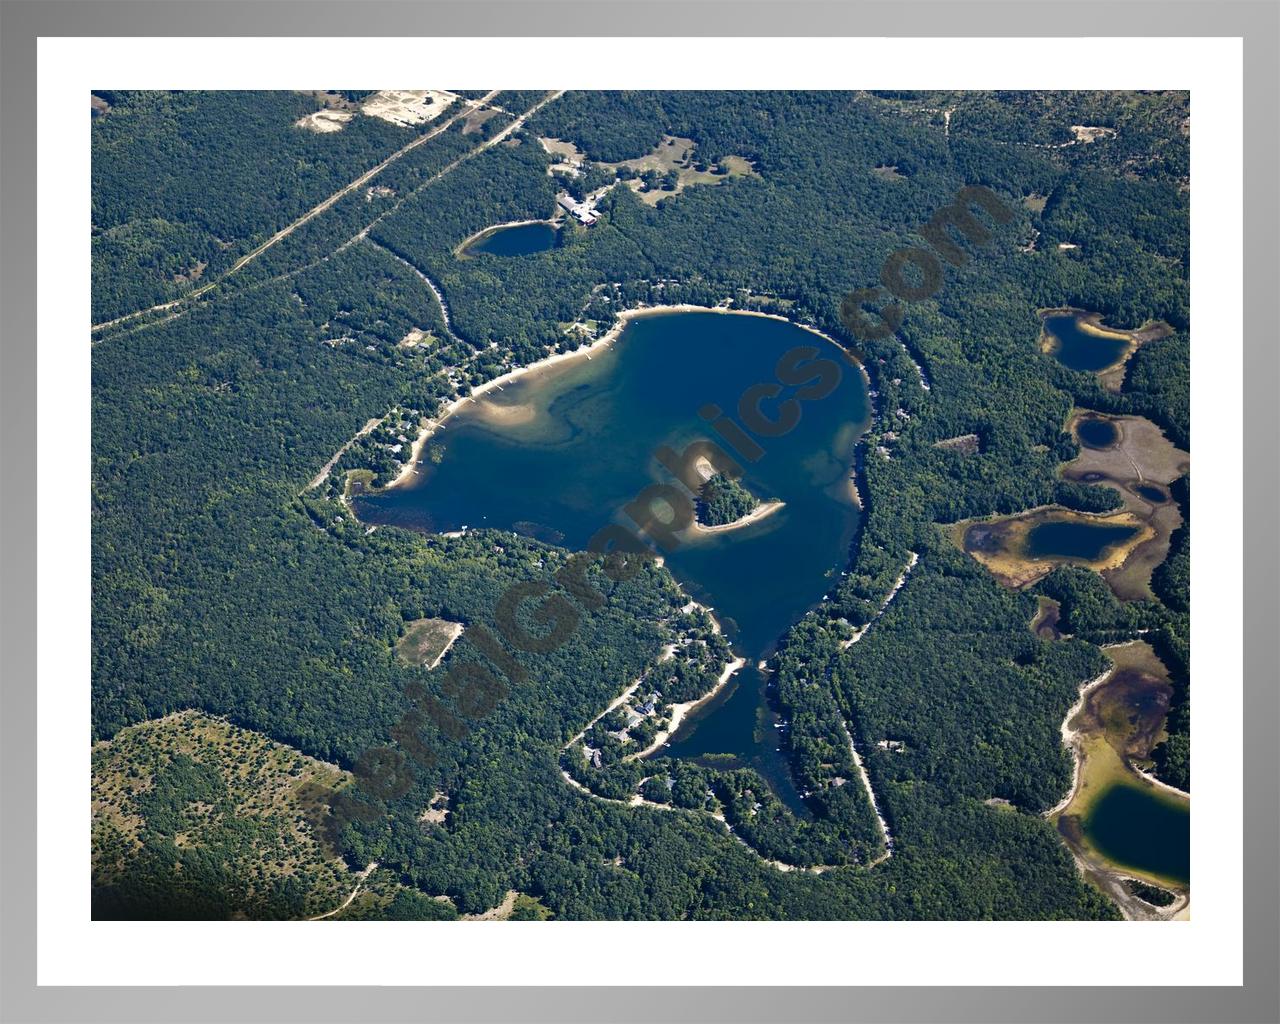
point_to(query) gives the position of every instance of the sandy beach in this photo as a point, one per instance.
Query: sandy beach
(432, 425)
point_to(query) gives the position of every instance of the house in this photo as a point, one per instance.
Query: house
(584, 213)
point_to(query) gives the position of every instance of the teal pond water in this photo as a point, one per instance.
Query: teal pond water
(559, 452)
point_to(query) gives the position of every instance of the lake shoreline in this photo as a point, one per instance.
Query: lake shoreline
(679, 712)
(624, 318)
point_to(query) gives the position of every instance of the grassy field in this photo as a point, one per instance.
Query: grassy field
(425, 641)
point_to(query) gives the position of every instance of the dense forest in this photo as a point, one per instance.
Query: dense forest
(723, 500)
(223, 583)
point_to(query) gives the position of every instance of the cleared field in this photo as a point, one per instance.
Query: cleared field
(425, 641)
(964, 444)
(677, 155)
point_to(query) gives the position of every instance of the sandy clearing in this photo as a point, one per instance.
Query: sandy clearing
(407, 107)
(499, 913)
(325, 121)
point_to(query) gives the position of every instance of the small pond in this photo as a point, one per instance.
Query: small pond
(1097, 433)
(516, 240)
(1086, 541)
(1142, 829)
(1077, 347)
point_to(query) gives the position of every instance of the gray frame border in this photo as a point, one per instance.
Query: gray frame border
(23, 21)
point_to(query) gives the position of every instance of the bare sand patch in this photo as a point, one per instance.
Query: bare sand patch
(1091, 133)
(415, 338)
(407, 107)
(437, 809)
(499, 913)
(325, 121)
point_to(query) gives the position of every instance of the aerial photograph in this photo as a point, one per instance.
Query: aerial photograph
(553, 505)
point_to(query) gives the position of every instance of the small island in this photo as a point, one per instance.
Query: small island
(724, 501)
(724, 504)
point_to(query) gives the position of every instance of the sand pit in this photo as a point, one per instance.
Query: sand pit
(325, 121)
(407, 107)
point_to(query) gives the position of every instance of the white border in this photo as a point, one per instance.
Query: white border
(73, 950)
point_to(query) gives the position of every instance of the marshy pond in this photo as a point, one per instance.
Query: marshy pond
(559, 453)
(1023, 548)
